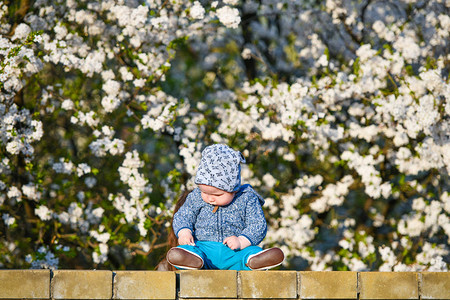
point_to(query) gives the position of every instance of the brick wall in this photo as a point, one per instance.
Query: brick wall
(77, 284)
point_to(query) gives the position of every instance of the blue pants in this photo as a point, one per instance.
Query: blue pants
(218, 256)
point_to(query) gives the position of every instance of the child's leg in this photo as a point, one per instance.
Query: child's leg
(208, 251)
(266, 259)
(186, 257)
(241, 257)
(215, 256)
(193, 249)
(221, 257)
(211, 253)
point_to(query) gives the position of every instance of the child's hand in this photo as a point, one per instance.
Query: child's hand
(232, 242)
(185, 237)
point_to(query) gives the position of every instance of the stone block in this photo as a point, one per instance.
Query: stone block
(144, 285)
(81, 284)
(435, 285)
(328, 285)
(389, 285)
(208, 284)
(21, 284)
(268, 284)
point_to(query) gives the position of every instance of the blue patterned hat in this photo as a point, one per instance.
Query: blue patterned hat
(220, 167)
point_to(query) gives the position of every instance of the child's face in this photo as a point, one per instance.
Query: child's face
(215, 196)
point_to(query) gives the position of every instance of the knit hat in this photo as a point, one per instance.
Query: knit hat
(220, 168)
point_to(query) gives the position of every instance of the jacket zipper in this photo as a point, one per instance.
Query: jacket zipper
(219, 224)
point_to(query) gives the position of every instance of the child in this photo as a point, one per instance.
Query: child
(221, 222)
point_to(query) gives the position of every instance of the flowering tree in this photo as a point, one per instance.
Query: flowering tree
(341, 109)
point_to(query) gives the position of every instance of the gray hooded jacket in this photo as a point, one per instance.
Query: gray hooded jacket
(243, 216)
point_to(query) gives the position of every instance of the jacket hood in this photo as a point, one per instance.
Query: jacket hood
(246, 188)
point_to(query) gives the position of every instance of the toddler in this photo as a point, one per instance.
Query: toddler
(221, 222)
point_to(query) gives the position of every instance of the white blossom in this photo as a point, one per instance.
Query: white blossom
(67, 104)
(63, 167)
(14, 193)
(43, 213)
(246, 53)
(90, 182)
(269, 180)
(8, 220)
(229, 16)
(31, 191)
(197, 11)
(83, 169)
(21, 32)
(49, 260)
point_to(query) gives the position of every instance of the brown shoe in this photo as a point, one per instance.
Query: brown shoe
(183, 259)
(265, 259)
